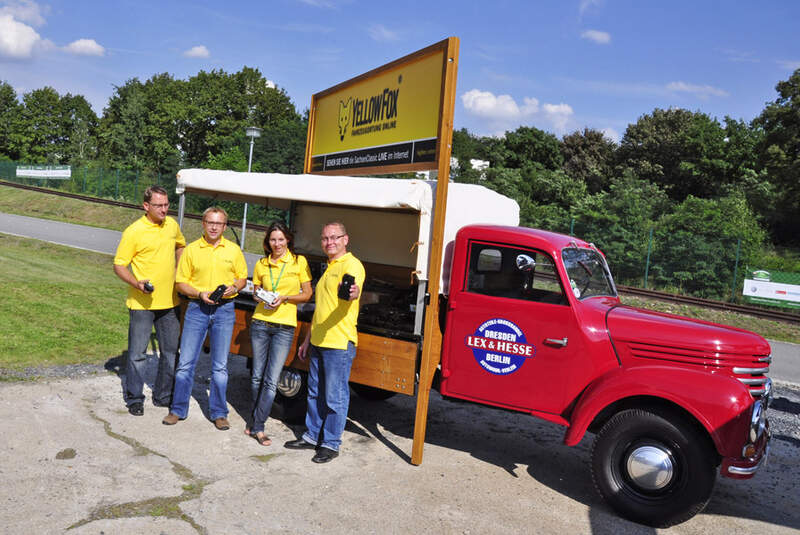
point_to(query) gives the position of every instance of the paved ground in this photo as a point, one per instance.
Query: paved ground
(74, 460)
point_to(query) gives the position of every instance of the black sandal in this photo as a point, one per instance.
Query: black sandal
(264, 440)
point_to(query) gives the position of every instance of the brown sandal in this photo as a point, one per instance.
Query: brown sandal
(263, 439)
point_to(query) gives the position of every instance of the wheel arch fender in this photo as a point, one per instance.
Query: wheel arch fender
(720, 404)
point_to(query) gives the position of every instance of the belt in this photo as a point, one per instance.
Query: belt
(275, 325)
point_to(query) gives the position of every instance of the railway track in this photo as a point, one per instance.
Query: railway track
(710, 303)
(630, 290)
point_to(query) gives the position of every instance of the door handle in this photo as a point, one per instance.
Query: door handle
(556, 341)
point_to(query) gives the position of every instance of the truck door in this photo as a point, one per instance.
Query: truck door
(510, 330)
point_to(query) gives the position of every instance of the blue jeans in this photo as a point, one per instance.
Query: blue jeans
(328, 395)
(217, 321)
(168, 329)
(271, 344)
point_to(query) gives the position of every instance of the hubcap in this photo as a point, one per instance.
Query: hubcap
(650, 468)
(289, 383)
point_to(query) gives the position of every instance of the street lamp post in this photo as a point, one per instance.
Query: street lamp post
(252, 132)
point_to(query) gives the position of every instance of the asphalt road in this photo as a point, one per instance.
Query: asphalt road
(79, 236)
(786, 357)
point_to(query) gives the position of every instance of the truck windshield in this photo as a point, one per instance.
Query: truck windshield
(588, 273)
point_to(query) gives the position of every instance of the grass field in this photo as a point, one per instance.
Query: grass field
(34, 204)
(60, 306)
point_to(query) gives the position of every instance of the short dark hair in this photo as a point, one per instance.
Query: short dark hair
(281, 226)
(148, 193)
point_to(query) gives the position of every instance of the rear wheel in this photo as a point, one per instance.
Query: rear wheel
(291, 399)
(652, 467)
(371, 393)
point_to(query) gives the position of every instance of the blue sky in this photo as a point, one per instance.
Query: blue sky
(556, 65)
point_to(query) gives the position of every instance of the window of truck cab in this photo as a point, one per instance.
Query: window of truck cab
(513, 272)
(588, 273)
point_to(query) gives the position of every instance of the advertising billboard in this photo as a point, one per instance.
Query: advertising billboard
(388, 120)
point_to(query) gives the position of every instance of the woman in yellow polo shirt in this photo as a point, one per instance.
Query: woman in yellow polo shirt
(287, 278)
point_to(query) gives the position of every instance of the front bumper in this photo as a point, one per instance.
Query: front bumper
(746, 467)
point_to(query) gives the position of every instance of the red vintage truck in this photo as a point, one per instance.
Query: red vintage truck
(530, 321)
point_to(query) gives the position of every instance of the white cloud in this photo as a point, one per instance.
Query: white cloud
(199, 51)
(700, 91)
(739, 56)
(601, 38)
(85, 47)
(25, 11)
(269, 83)
(790, 65)
(17, 40)
(559, 115)
(489, 106)
(611, 134)
(502, 113)
(379, 32)
(586, 4)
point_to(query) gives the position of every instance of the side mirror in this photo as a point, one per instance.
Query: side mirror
(525, 263)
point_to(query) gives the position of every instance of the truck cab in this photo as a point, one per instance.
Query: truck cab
(534, 324)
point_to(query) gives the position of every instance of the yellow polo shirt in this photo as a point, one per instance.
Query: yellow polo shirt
(149, 249)
(204, 267)
(285, 277)
(334, 321)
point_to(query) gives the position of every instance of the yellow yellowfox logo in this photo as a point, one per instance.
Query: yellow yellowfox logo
(344, 116)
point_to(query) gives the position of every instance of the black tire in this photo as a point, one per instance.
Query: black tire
(636, 440)
(371, 393)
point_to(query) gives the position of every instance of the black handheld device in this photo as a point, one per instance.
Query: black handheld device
(148, 287)
(216, 295)
(344, 289)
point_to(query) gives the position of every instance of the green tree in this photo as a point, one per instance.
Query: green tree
(695, 245)
(528, 145)
(589, 157)
(682, 151)
(619, 222)
(9, 117)
(38, 138)
(220, 106)
(779, 152)
(121, 139)
(78, 127)
(281, 147)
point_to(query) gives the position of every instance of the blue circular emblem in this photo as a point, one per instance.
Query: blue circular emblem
(499, 346)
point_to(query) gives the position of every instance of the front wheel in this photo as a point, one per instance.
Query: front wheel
(653, 467)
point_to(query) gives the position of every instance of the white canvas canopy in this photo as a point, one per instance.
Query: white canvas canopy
(388, 220)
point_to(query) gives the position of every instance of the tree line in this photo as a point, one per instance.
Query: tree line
(695, 192)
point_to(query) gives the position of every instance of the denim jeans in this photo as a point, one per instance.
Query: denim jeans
(168, 329)
(328, 395)
(271, 344)
(217, 321)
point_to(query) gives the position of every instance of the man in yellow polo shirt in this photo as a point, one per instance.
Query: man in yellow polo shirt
(331, 348)
(150, 246)
(206, 264)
